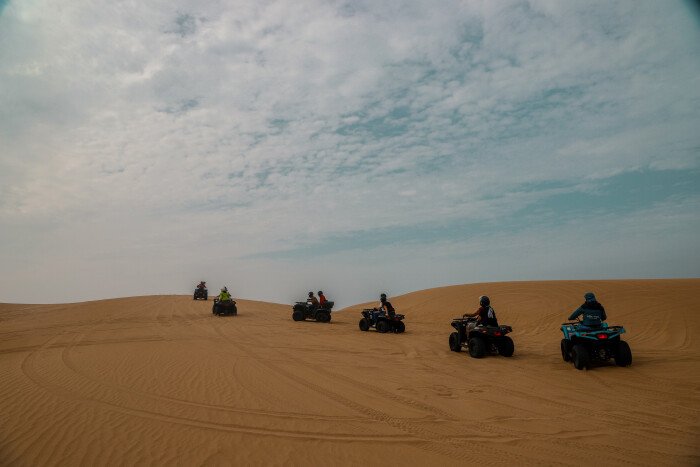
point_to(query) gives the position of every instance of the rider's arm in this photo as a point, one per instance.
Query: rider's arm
(576, 314)
(604, 317)
(468, 315)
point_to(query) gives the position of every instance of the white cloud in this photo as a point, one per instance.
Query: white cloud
(250, 127)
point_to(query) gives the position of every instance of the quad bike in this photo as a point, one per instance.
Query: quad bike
(480, 340)
(375, 318)
(200, 294)
(224, 308)
(586, 344)
(302, 311)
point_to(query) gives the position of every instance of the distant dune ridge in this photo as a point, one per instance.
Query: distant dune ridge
(159, 380)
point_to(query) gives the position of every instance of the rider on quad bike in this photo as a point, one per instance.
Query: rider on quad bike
(383, 319)
(485, 314)
(591, 339)
(200, 292)
(386, 307)
(593, 312)
(224, 296)
(480, 333)
(313, 309)
(312, 300)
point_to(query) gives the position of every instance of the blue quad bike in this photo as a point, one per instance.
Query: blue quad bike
(584, 345)
(481, 340)
(375, 318)
(200, 294)
(301, 311)
(224, 308)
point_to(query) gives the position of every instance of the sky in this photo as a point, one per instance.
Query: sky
(355, 147)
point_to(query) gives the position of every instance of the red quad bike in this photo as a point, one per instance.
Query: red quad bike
(481, 340)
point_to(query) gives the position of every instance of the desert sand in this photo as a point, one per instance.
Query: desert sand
(159, 380)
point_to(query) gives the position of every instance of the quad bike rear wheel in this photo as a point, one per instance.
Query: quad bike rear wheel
(364, 324)
(623, 354)
(399, 327)
(323, 317)
(566, 350)
(579, 354)
(455, 345)
(505, 346)
(382, 326)
(477, 347)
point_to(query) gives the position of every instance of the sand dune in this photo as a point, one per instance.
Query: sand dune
(159, 380)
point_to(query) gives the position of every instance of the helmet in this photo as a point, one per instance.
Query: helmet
(311, 294)
(484, 300)
(589, 297)
(382, 297)
(320, 292)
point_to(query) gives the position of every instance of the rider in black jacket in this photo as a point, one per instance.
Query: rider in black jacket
(593, 312)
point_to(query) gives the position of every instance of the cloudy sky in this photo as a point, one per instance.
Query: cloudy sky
(351, 146)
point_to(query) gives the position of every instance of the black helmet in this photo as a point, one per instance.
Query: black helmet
(589, 297)
(484, 300)
(311, 294)
(382, 297)
(320, 292)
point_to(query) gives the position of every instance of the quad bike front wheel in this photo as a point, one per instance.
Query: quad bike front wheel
(623, 354)
(298, 316)
(579, 354)
(364, 324)
(455, 345)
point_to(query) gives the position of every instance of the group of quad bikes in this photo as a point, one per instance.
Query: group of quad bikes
(371, 317)
(582, 345)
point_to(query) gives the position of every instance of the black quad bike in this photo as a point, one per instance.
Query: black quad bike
(585, 344)
(224, 308)
(481, 340)
(200, 294)
(375, 318)
(302, 311)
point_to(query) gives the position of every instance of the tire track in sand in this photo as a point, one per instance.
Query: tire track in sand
(113, 401)
(434, 443)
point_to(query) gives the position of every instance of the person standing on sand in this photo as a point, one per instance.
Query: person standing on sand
(593, 312)
(485, 314)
